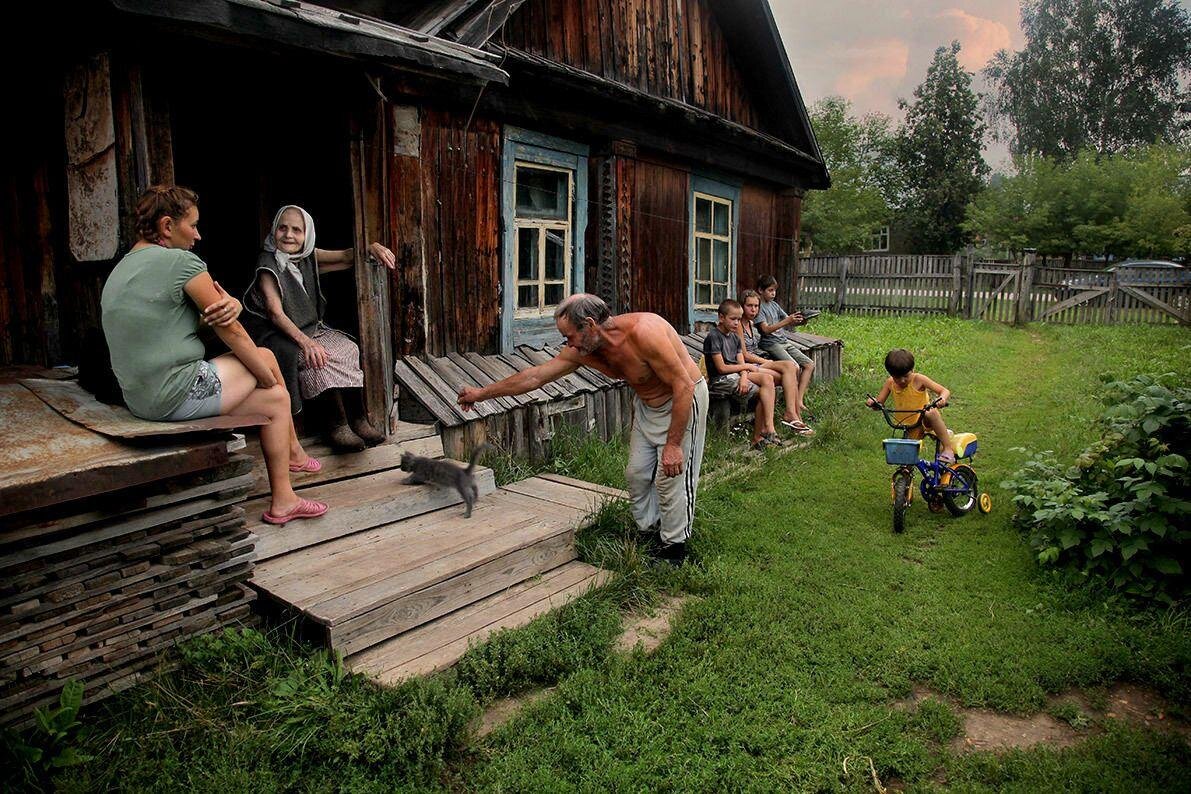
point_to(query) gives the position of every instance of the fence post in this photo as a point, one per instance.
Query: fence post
(841, 288)
(970, 263)
(1025, 288)
(954, 298)
(1112, 297)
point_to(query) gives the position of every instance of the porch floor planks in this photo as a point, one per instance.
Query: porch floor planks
(436, 645)
(344, 466)
(559, 493)
(616, 493)
(390, 550)
(356, 504)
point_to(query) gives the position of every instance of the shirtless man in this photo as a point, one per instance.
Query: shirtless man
(670, 416)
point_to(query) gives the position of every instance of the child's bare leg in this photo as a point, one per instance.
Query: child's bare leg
(765, 402)
(788, 372)
(934, 420)
(804, 383)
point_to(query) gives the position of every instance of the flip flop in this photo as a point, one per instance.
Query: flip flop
(796, 425)
(307, 508)
(311, 465)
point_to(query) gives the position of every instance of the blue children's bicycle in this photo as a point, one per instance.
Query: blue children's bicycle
(951, 487)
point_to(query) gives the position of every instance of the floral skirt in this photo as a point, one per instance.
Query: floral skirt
(342, 370)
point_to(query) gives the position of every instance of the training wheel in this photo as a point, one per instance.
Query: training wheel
(935, 505)
(985, 503)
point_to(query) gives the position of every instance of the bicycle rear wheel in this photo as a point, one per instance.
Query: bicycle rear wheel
(903, 482)
(962, 492)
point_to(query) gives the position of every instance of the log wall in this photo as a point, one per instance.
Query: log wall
(669, 48)
(460, 202)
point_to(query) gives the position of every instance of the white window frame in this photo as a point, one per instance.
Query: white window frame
(713, 238)
(543, 225)
(881, 236)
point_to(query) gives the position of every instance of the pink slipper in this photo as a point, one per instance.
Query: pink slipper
(311, 465)
(307, 508)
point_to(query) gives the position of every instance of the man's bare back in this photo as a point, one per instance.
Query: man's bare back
(634, 355)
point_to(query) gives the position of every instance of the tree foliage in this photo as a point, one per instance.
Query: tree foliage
(1133, 204)
(939, 155)
(858, 153)
(1094, 74)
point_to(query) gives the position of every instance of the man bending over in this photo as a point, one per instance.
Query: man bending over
(670, 416)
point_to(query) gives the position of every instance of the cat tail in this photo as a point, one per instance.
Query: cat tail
(475, 455)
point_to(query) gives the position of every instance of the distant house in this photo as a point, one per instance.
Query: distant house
(510, 152)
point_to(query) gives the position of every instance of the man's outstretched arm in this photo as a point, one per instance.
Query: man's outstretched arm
(521, 382)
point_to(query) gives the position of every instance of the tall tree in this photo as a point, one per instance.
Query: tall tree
(858, 155)
(939, 155)
(1094, 74)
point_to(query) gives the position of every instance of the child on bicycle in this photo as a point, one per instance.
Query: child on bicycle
(910, 393)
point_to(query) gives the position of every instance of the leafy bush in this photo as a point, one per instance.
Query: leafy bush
(1119, 515)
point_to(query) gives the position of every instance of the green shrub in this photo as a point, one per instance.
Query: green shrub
(50, 746)
(1119, 515)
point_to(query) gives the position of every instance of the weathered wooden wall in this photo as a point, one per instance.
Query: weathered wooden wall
(658, 263)
(668, 48)
(461, 228)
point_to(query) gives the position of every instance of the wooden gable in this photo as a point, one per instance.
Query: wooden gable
(674, 49)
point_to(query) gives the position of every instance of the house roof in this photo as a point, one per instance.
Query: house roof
(316, 27)
(748, 27)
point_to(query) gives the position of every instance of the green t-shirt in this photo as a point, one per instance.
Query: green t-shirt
(151, 327)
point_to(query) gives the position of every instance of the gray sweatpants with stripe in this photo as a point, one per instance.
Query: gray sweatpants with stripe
(657, 499)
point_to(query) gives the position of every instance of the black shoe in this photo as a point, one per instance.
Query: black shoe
(673, 553)
(649, 541)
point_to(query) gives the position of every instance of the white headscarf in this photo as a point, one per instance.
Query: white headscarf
(290, 261)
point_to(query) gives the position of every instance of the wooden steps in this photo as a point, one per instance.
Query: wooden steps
(356, 504)
(439, 643)
(392, 559)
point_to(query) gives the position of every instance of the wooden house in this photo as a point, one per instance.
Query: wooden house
(509, 151)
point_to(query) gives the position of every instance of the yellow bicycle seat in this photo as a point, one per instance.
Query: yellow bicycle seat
(964, 444)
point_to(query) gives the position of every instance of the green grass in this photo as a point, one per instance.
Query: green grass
(813, 619)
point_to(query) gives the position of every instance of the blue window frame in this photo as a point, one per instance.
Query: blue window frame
(544, 207)
(715, 221)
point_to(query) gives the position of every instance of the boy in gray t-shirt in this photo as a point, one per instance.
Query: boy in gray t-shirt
(728, 374)
(772, 321)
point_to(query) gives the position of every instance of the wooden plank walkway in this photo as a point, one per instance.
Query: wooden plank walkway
(396, 579)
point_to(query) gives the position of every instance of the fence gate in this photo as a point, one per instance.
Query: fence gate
(995, 292)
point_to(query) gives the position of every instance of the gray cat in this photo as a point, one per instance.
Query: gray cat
(440, 471)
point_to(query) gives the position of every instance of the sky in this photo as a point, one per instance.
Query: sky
(873, 52)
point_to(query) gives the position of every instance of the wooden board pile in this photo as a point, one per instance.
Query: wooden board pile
(94, 589)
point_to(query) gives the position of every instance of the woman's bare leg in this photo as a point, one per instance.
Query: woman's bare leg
(788, 372)
(764, 415)
(241, 396)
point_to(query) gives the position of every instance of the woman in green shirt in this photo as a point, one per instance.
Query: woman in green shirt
(151, 318)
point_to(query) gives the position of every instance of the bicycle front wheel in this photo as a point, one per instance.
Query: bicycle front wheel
(903, 481)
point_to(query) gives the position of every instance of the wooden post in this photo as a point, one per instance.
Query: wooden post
(842, 287)
(953, 298)
(626, 197)
(369, 182)
(971, 290)
(1112, 297)
(1025, 286)
(788, 225)
(409, 244)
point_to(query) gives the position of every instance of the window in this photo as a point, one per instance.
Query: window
(879, 240)
(714, 220)
(542, 249)
(544, 211)
(713, 250)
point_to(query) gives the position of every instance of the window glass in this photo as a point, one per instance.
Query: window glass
(542, 193)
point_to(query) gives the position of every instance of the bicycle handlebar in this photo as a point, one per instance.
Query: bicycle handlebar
(921, 412)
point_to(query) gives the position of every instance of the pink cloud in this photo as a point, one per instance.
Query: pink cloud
(981, 37)
(869, 62)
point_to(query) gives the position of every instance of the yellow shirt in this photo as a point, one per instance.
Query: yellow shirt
(908, 399)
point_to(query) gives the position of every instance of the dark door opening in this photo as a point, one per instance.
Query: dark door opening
(252, 133)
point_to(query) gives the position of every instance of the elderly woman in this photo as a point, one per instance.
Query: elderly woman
(284, 312)
(151, 317)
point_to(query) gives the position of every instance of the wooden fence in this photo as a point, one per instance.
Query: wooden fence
(1010, 292)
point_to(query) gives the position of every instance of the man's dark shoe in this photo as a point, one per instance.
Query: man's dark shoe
(673, 553)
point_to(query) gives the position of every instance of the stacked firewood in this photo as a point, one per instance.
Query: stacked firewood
(96, 592)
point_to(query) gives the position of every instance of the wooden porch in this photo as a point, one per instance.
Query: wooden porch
(395, 578)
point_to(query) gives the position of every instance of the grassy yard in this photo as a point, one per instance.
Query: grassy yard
(811, 620)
